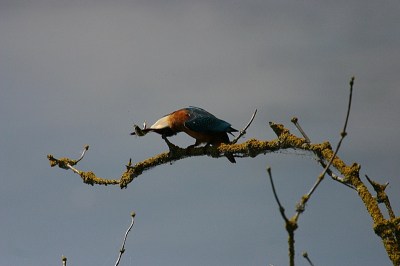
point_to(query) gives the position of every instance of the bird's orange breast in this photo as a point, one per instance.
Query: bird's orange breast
(177, 120)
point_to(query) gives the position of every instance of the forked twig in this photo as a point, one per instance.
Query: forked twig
(381, 196)
(66, 163)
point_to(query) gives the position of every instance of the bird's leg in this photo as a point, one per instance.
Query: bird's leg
(205, 148)
(173, 149)
(171, 146)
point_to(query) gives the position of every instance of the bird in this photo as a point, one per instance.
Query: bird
(197, 123)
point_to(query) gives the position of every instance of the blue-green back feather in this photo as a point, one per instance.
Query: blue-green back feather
(202, 121)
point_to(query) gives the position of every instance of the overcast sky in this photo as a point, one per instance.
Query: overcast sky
(76, 73)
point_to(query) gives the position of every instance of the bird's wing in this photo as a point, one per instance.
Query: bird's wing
(201, 121)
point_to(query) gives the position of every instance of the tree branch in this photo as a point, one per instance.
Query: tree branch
(305, 255)
(387, 230)
(122, 250)
(243, 131)
(342, 135)
(250, 148)
(290, 225)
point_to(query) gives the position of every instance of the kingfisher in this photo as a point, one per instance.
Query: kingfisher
(197, 123)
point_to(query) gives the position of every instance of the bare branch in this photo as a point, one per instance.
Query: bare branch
(83, 153)
(66, 163)
(305, 255)
(243, 131)
(394, 222)
(319, 158)
(300, 207)
(294, 120)
(250, 148)
(122, 250)
(281, 209)
(343, 134)
(349, 106)
(88, 177)
(290, 225)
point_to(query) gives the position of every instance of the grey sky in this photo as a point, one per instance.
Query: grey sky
(81, 73)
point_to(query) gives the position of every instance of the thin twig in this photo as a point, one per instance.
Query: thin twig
(349, 106)
(294, 120)
(281, 209)
(305, 255)
(290, 225)
(122, 250)
(342, 135)
(243, 131)
(83, 153)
